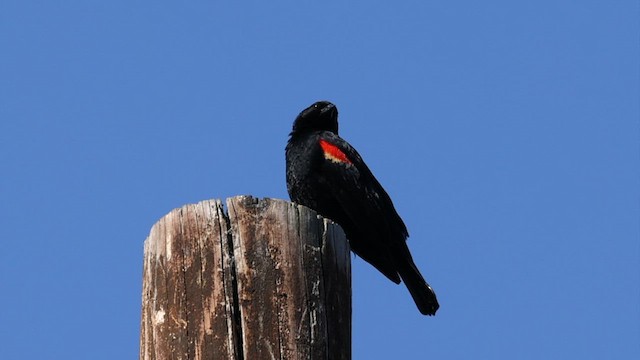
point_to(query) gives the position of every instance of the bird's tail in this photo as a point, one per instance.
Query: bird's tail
(421, 292)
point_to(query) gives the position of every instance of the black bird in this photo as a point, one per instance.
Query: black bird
(325, 173)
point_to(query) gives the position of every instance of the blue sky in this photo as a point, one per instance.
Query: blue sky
(506, 134)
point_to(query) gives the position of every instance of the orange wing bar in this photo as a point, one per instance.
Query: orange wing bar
(333, 153)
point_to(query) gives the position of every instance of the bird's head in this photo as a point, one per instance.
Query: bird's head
(321, 116)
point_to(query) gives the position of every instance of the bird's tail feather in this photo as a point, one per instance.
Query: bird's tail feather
(420, 291)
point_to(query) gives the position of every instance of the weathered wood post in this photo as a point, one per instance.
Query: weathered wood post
(270, 280)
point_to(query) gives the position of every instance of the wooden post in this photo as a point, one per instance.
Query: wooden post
(271, 280)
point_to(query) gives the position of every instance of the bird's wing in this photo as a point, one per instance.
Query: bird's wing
(363, 200)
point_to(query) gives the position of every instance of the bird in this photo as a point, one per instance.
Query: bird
(325, 173)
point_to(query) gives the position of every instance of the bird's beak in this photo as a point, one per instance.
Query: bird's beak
(329, 107)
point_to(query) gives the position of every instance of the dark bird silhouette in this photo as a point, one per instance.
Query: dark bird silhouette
(325, 173)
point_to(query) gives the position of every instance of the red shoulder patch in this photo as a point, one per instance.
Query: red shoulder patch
(333, 153)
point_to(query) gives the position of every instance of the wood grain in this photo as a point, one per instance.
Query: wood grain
(269, 281)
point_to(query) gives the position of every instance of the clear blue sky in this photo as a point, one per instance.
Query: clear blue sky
(506, 133)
